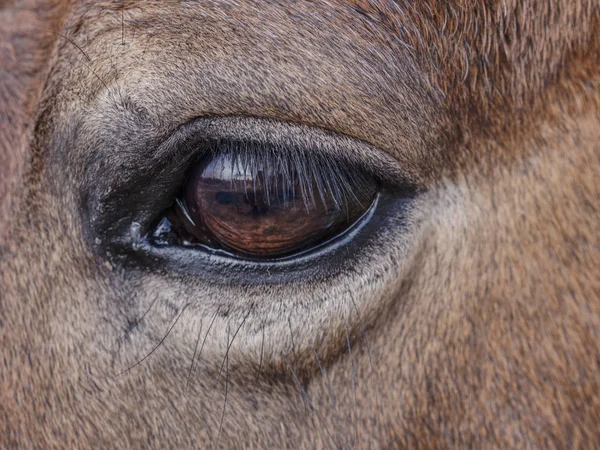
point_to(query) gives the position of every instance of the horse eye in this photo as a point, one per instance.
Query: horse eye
(270, 206)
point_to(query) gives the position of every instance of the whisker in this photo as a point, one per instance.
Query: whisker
(363, 332)
(353, 386)
(128, 332)
(84, 54)
(262, 346)
(232, 339)
(193, 356)
(372, 372)
(293, 345)
(307, 398)
(329, 389)
(226, 389)
(324, 375)
(155, 348)
(204, 340)
(294, 350)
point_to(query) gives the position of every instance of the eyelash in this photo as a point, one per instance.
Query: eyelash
(328, 174)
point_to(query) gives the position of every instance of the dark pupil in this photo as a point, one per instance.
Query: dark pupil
(271, 212)
(224, 198)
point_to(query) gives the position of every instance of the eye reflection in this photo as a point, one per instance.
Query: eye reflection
(270, 205)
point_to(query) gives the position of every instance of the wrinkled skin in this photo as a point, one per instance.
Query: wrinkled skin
(479, 318)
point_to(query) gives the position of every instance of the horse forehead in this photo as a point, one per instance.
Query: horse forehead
(477, 55)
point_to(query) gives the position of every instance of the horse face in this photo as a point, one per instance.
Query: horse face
(416, 268)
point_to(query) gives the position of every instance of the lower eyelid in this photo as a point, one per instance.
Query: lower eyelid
(388, 213)
(306, 139)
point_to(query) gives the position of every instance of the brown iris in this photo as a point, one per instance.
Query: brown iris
(271, 206)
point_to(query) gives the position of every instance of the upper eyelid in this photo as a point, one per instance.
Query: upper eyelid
(303, 138)
(130, 154)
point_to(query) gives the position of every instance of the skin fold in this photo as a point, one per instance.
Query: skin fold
(469, 319)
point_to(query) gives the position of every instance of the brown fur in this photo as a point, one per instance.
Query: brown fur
(482, 315)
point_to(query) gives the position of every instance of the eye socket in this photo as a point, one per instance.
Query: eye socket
(262, 203)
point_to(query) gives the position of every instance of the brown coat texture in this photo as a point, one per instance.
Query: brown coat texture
(476, 324)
